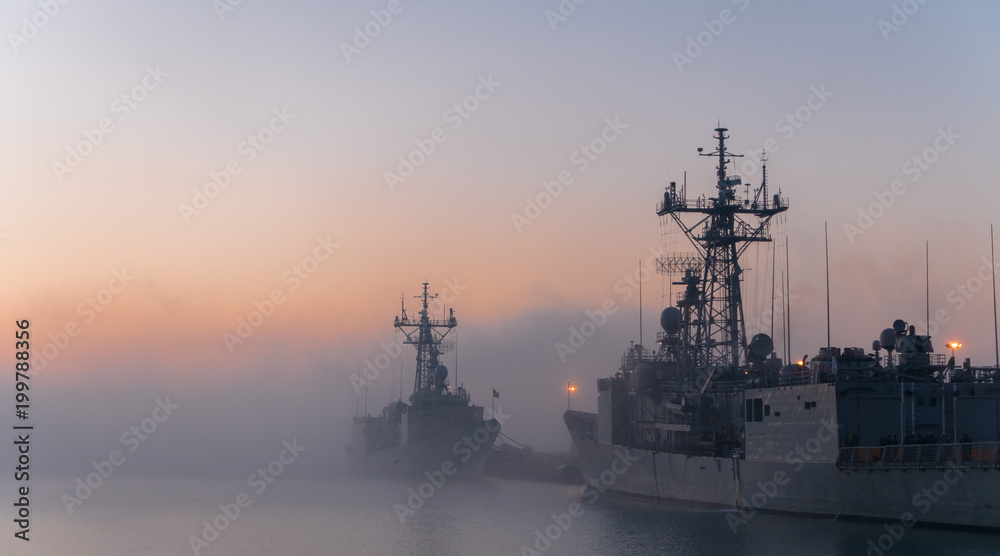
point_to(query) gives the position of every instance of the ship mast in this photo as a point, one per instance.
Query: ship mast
(426, 334)
(712, 305)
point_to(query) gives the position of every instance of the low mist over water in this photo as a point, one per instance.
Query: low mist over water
(343, 515)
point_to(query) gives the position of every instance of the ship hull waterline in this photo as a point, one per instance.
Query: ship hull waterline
(456, 452)
(934, 497)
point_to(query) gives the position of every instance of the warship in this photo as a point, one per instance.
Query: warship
(711, 419)
(439, 430)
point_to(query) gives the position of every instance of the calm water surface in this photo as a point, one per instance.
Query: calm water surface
(341, 514)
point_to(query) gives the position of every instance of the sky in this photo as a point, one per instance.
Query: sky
(176, 173)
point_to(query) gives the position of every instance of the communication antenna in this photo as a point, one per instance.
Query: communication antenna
(826, 239)
(774, 252)
(927, 281)
(784, 319)
(763, 170)
(640, 301)
(788, 300)
(773, 263)
(996, 342)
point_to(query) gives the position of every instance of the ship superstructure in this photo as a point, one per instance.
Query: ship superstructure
(712, 418)
(438, 425)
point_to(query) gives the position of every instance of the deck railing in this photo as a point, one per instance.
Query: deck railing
(969, 455)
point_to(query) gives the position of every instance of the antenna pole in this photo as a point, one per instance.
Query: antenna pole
(788, 300)
(763, 168)
(784, 320)
(640, 301)
(927, 280)
(773, 259)
(826, 239)
(996, 342)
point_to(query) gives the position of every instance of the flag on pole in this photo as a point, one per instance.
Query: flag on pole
(496, 394)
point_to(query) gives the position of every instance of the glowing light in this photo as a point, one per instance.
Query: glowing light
(954, 346)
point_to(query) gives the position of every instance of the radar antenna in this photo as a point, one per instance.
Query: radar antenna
(721, 230)
(427, 335)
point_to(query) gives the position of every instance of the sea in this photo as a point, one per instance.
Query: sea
(374, 515)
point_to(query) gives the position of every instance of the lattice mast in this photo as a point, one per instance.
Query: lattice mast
(712, 303)
(426, 334)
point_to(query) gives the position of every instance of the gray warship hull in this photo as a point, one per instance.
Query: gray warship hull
(806, 473)
(816, 489)
(448, 451)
